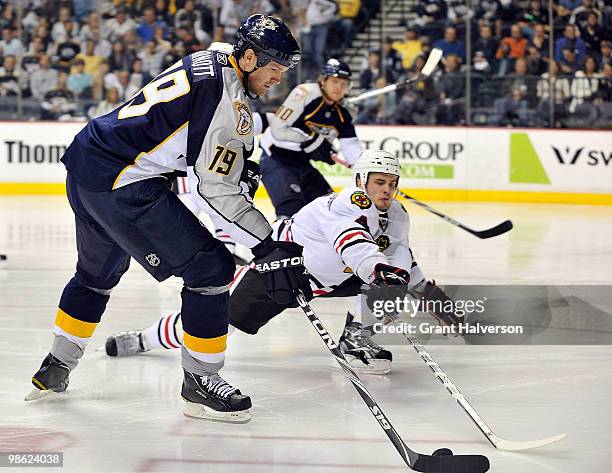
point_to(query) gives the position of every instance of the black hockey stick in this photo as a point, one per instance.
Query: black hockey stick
(497, 230)
(416, 461)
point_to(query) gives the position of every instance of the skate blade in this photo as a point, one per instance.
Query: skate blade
(376, 367)
(36, 394)
(199, 411)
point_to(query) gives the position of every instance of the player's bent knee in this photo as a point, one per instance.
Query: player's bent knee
(211, 271)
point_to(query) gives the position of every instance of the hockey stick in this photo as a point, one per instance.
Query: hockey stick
(497, 230)
(498, 443)
(416, 461)
(432, 61)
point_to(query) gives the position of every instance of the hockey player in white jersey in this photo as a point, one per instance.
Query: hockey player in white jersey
(193, 118)
(357, 236)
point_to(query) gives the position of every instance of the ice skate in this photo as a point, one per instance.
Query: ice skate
(52, 377)
(361, 352)
(211, 397)
(126, 344)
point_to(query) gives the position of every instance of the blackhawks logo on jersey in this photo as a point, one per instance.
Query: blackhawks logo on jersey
(361, 200)
(245, 119)
(383, 242)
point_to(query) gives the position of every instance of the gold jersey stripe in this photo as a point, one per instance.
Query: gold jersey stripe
(205, 345)
(73, 326)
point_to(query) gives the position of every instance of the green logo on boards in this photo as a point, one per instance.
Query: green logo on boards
(411, 171)
(525, 164)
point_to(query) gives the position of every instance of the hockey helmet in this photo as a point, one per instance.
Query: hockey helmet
(271, 40)
(336, 68)
(375, 161)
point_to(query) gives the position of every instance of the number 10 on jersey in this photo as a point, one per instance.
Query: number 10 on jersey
(223, 161)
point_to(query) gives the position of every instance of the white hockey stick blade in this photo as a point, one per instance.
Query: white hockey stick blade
(511, 446)
(432, 61)
(373, 93)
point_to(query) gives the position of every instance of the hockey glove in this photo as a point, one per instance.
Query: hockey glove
(250, 176)
(281, 267)
(434, 297)
(318, 149)
(390, 283)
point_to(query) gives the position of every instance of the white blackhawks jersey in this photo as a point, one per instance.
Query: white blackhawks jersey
(345, 234)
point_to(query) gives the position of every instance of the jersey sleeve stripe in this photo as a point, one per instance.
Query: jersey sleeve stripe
(355, 242)
(343, 232)
(349, 237)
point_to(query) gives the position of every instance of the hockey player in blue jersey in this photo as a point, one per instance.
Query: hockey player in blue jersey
(192, 118)
(303, 130)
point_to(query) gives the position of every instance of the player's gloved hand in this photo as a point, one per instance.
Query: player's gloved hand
(387, 275)
(250, 177)
(429, 292)
(390, 283)
(281, 266)
(318, 149)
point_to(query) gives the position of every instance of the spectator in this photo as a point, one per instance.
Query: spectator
(231, 15)
(580, 15)
(486, 44)
(408, 49)
(348, 12)
(102, 46)
(93, 23)
(451, 89)
(534, 15)
(188, 17)
(431, 17)
(417, 99)
(486, 12)
(536, 66)
(61, 31)
(561, 96)
(569, 40)
(138, 77)
(121, 81)
(162, 15)
(457, 14)
(320, 15)
(604, 90)
(9, 76)
(507, 14)
(120, 59)
(569, 63)
(516, 43)
(146, 28)
(512, 110)
(67, 51)
(30, 60)
(521, 81)
(8, 18)
(571, 5)
(605, 56)
(379, 109)
(59, 102)
(119, 25)
(151, 58)
(584, 88)
(80, 82)
(110, 103)
(162, 43)
(591, 33)
(561, 19)
(187, 39)
(10, 45)
(450, 44)
(392, 61)
(481, 64)
(370, 74)
(44, 78)
(539, 41)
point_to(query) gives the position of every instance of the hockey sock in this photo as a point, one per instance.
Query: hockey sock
(166, 332)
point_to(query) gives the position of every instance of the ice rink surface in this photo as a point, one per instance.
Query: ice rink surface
(125, 415)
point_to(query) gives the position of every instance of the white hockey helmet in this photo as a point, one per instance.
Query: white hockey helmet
(375, 161)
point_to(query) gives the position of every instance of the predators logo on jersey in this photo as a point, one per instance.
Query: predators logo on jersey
(361, 200)
(383, 242)
(245, 119)
(328, 131)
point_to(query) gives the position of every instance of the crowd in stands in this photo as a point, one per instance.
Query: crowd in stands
(81, 58)
(511, 68)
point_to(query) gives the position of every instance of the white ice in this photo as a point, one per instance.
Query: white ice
(125, 415)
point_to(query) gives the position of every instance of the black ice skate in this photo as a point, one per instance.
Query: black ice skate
(364, 355)
(126, 344)
(211, 397)
(52, 377)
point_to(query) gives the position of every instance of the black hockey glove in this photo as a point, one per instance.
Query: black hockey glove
(390, 283)
(281, 266)
(318, 149)
(442, 307)
(251, 176)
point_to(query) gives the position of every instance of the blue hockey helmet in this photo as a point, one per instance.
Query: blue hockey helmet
(271, 40)
(336, 68)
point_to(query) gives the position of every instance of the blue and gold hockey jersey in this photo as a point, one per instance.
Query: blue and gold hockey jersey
(193, 117)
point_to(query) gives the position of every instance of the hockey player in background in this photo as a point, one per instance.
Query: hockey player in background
(357, 236)
(192, 118)
(302, 130)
